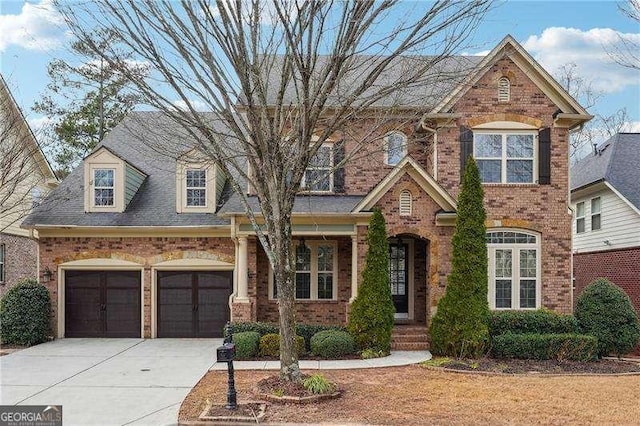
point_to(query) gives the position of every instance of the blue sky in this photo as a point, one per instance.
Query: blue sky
(555, 33)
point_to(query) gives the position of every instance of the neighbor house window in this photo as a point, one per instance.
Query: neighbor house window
(406, 203)
(580, 217)
(196, 187)
(318, 176)
(514, 270)
(103, 187)
(2, 263)
(36, 197)
(504, 89)
(505, 157)
(395, 148)
(316, 271)
(595, 214)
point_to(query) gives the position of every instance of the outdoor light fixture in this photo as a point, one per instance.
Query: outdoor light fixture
(47, 274)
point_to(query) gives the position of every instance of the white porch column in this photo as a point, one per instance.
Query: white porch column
(354, 268)
(242, 272)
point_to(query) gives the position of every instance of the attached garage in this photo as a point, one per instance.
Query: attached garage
(102, 303)
(193, 303)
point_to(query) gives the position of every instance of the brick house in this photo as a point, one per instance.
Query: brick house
(152, 247)
(25, 177)
(605, 197)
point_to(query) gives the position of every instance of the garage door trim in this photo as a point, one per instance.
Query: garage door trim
(95, 264)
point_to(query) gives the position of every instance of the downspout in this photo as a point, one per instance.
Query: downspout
(572, 130)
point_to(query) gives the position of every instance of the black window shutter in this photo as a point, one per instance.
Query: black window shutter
(338, 174)
(544, 156)
(466, 148)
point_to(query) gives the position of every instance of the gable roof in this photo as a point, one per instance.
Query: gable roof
(617, 162)
(545, 82)
(423, 179)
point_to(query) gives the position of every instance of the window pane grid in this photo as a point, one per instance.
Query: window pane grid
(595, 214)
(103, 187)
(505, 158)
(196, 182)
(396, 148)
(318, 176)
(315, 272)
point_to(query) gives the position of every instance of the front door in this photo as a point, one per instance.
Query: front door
(399, 278)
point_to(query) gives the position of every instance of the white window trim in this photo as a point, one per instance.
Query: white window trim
(386, 147)
(592, 214)
(503, 157)
(515, 288)
(3, 263)
(182, 166)
(94, 187)
(330, 172)
(205, 187)
(314, 272)
(583, 217)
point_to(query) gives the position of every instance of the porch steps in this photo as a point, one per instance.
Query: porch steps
(409, 338)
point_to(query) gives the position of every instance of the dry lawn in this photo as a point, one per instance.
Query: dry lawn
(416, 395)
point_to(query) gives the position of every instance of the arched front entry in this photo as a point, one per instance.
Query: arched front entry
(408, 277)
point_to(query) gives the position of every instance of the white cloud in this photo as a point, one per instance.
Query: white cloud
(589, 50)
(631, 127)
(197, 105)
(38, 26)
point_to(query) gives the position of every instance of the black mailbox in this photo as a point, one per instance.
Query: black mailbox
(226, 352)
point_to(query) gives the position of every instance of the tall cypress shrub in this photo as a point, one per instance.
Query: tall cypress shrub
(371, 317)
(460, 326)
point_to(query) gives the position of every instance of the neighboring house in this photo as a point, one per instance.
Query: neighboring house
(25, 178)
(605, 197)
(154, 247)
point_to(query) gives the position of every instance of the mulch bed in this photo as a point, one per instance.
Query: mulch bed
(9, 349)
(307, 357)
(274, 385)
(519, 366)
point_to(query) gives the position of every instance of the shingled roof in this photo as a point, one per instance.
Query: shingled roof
(617, 162)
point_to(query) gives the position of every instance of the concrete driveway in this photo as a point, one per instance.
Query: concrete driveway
(107, 381)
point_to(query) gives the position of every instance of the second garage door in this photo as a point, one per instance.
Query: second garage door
(193, 303)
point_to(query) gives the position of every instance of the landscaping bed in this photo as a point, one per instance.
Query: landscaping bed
(530, 366)
(417, 395)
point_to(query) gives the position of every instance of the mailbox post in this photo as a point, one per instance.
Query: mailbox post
(226, 353)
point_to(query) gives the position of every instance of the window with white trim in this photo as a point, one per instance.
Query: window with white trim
(514, 270)
(318, 176)
(196, 181)
(595, 214)
(580, 217)
(406, 203)
(2, 263)
(506, 157)
(504, 89)
(103, 187)
(395, 145)
(316, 271)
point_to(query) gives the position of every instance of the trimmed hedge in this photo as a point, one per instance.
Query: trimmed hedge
(305, 330)
(332, 344)
(261, 328)
(541, 321)
(309, 330)
(247, 344)
(605, 311)
(25, 314)
(270, 345)
(573, 347)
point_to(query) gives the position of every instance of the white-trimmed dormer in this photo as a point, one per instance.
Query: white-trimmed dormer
(199, 184)
(110, 182)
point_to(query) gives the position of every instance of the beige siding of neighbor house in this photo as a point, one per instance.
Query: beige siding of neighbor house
(620, 224)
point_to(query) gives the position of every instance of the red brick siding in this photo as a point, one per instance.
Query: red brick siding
(21, 259)
(621, 267)
(143, 250)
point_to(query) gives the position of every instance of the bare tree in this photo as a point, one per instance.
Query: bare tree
(627, 53)
(282, 78)
(22, 181)
(601, 127)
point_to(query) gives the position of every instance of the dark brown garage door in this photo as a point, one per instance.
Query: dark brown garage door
(193, 303)
(102, 303)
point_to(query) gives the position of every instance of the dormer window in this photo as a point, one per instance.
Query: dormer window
(196, 188)
(395, 148)
(318, 176)
(504, 89)
(103, 187)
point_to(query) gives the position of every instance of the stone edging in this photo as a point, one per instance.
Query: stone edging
(532, 374)
(296, 399)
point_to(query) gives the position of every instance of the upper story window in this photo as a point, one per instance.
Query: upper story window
(2, 263)
(595, 214)
(103, 187)
(318, 176)
(406, 203)
(36, 197)
(514, 270)
(196, 187)
(504, 89)
(505, 157)
(395, 145)
(580, 217)
(316, 271)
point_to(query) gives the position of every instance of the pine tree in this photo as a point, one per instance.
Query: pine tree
(371, 317)
(460, 326)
